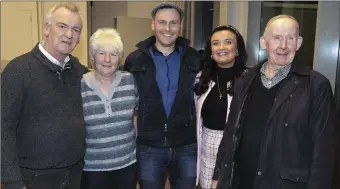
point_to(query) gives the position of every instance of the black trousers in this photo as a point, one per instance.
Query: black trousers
(125, 178)
(68, 178)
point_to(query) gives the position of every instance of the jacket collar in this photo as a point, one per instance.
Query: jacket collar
(297, 68)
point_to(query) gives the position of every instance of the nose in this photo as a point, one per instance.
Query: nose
(107, 58)
(167, 27)
(69, 33)
(222, 46)
(283, 43)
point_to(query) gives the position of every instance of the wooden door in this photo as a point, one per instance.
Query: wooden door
(19, 29)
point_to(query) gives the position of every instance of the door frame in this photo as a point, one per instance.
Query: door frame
(337, 82)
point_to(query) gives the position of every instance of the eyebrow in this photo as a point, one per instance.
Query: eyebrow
(62, 23)
(168, 20)
(224, 39)
(294, 33)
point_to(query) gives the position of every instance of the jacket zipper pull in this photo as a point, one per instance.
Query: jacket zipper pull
(59, 74)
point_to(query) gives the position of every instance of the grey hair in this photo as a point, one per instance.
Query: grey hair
(272, 20)
(106, 36)
(69, 6)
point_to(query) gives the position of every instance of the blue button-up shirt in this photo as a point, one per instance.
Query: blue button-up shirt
(167, 74)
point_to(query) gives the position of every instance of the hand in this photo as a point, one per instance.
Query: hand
(213, 184)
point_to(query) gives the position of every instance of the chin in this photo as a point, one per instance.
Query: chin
(282, 63)
(224, 62)
(167, 43)
(65, 51)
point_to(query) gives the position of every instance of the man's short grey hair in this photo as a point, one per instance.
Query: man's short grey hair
(272, 20)
(106, 36)
(69, 6)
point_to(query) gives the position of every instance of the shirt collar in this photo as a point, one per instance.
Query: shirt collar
(51, 58)
(283, 71)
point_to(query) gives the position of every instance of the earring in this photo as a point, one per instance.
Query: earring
(237, 53)
(211, 57)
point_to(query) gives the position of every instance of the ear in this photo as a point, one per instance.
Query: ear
(153, 25)
(263, 43)
(47, 30)
(92, 61)
(299, 42)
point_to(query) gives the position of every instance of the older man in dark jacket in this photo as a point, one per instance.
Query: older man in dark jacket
(280, 129)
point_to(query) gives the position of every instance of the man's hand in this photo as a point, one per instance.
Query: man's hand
(213, 184)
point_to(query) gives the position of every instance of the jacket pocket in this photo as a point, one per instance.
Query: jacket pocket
(294, 174)
(191, 147)
(136, 68)
(30, 179)
(292, 178)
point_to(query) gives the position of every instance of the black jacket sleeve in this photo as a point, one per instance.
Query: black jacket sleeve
(127, 64)
(12, 101)
(322, 124)
(222, 153)
(226, 145)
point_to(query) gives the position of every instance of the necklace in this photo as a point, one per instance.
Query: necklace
(218, 86)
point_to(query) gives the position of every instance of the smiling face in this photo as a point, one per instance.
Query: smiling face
(224, 48)
(62, 34)
(105, 60)
(166, 26)
(281, 41)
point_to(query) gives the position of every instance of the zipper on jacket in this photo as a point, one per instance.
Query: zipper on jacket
(165, 142)
(165, 131)
(60, 72)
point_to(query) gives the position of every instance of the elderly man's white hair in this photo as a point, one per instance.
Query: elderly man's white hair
(69, 6)
(272, 20)
(108, 36)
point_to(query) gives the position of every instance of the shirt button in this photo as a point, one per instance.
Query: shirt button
(286, 124)
(259, 173)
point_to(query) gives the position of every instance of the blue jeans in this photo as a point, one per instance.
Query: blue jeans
(156, 163)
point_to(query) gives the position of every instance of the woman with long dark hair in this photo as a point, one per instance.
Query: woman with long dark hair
(224, 61)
